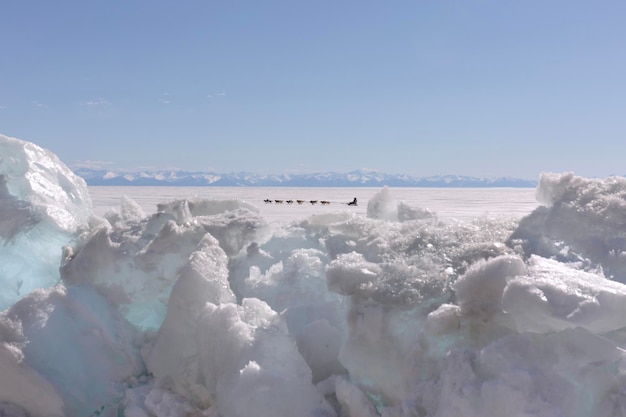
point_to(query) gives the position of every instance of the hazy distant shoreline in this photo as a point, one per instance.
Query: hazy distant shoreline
(95, 177)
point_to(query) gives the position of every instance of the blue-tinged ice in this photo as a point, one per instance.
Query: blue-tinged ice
(71, 353)
(135, 261)
(42, 205)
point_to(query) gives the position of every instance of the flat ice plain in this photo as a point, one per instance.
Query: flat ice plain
(448, 203)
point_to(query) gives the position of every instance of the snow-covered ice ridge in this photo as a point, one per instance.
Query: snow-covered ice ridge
(205, 309)
(330, 179)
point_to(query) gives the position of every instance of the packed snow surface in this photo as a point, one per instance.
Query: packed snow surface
(204, 308)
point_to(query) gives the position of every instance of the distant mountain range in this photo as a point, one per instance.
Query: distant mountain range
(329, 179)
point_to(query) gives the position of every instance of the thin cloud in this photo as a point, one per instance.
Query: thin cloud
(92, 164)
(3, 107)
(212, 95)
(165, 98)
(39, 105)
(96, 102)
(146, 168)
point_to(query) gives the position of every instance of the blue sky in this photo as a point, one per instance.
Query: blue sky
(422, 87)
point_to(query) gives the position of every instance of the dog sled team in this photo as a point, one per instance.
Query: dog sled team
(300, 202)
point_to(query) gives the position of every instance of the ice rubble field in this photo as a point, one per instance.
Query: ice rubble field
(205, 309)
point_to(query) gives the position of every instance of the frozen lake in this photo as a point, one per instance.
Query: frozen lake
(448, 203)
